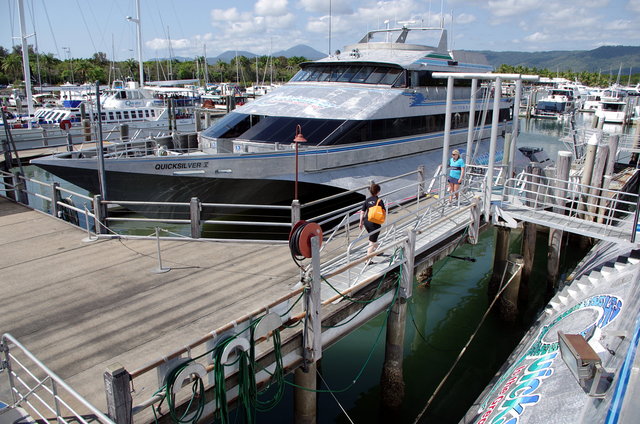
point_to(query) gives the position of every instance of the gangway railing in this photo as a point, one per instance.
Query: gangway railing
(571, 206)
(40, 391)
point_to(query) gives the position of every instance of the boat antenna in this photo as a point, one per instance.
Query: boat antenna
(441, 13)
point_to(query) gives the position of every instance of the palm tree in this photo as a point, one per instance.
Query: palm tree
(12, 65)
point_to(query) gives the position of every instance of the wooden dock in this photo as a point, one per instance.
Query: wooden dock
(79, 307)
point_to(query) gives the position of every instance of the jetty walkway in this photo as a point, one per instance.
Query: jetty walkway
(79, 307)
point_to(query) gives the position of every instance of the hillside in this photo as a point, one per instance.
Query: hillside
(605, 59)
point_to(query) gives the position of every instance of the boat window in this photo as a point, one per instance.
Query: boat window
(282, 129)
(349, 73)
(103, 116)
(229, 126)
(146, 112)
(336, 72)
(301, 75)
(395, 78)
(153, 112)
(376, 75)
(118, 116)
(110, 116)
(363, 74)
(125, 114)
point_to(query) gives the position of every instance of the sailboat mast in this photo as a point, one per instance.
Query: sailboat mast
(139, 26)
(25, 60)
(136, 20)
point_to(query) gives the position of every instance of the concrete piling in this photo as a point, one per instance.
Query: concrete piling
(392, 380)
(304, 395)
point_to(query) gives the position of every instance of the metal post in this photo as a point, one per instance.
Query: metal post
(447, 132)
(295, 211)
(406, 285)
(56, 401)
(495, 119)
(99, 215)
(117, 386)
(100, 147)
(421, 182)
(55, 198)
(19, 187)
(312, 335)
(472, 119)
(515, 127)
(195, 207)
(159, 269)
(69, 142)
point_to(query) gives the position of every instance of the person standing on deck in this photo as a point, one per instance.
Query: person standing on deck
(456, 174)
(371, 227)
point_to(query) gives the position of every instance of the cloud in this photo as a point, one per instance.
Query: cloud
(232, 14)
(338, 7)
(465, 18)
(537, 36)
(634, 6)
(162, 43)
(271, 7)
(504, 8)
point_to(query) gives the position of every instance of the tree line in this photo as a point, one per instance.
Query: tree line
(46, 69)
(590, 79)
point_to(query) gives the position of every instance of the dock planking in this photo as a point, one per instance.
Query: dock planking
(80, 307)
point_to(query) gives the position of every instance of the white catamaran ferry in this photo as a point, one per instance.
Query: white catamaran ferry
(368, 113)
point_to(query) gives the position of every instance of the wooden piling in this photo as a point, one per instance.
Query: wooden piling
(553, 259)
(529, 235)
(499, 259)
(509, 298)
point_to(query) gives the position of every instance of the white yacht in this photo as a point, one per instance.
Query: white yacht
(613, 107)
(558, 101)
(371, 112)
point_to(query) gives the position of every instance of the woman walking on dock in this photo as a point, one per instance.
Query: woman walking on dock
(371, 227)
(456, 173)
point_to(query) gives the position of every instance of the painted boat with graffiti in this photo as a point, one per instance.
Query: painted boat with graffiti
(576, 364)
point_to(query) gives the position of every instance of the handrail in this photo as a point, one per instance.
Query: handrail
(8, 338)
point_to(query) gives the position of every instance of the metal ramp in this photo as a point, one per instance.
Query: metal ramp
(616, 234)
(433, 222)
(591, 211)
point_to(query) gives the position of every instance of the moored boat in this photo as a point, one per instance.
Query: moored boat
(372, 112)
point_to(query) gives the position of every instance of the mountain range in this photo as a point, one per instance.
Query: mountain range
(605, 59)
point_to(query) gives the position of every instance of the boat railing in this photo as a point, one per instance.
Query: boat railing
(40, 391)
(607, 207)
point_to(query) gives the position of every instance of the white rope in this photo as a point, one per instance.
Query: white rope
(464, 349)
(334, 397)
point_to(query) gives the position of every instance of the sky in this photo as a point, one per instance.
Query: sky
(79, 28)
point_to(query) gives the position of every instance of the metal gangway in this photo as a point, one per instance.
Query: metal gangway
(587, 210)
